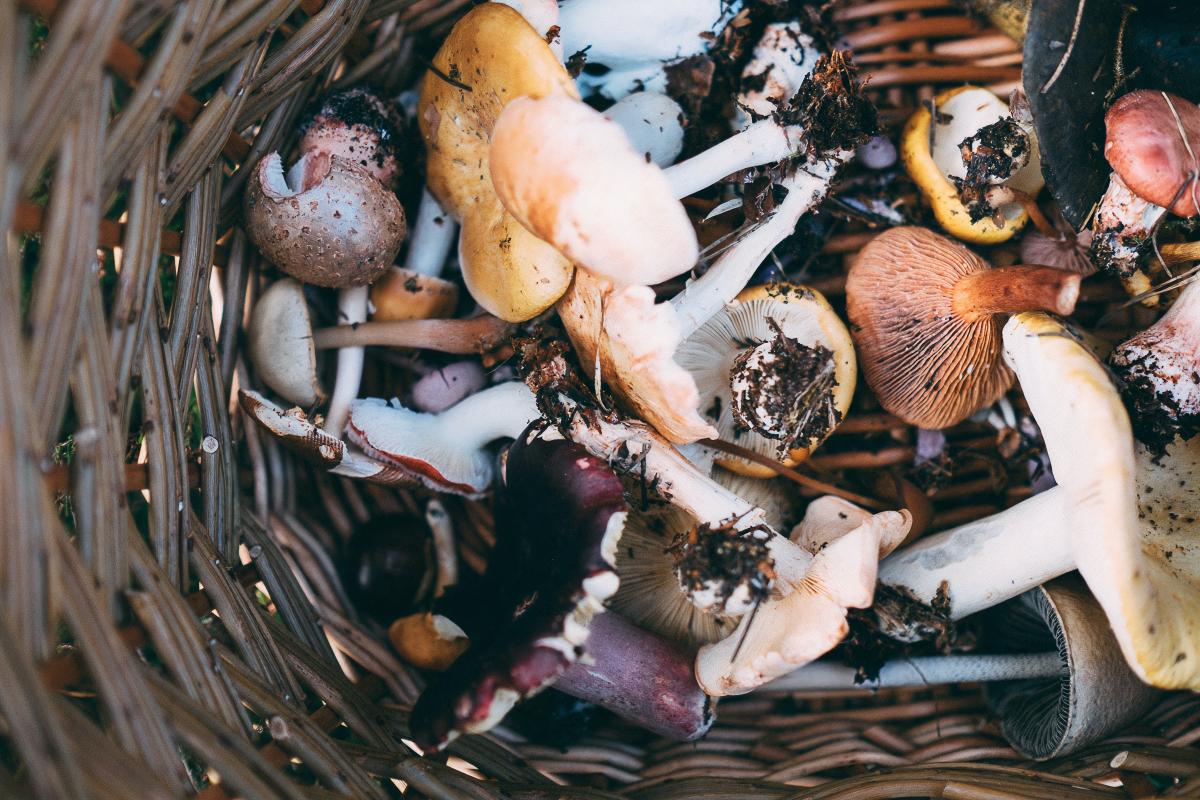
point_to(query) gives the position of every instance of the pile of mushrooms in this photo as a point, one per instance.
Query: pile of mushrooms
(637, 397)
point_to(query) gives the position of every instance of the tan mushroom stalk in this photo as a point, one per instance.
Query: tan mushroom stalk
(1115, 515)
(444, 452)
(417, 290)
(776, 372)
(491, 57)
(280, 344)
(837, 547)
(1159, 370)
(635, 40)
(462, 336)
(926, 314)
(1152, 143)
(932, 150)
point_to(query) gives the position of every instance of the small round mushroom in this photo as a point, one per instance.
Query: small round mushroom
(280, 344)
(878, 152)
(445, 451)
(932, 151)
(653, 123)
(634, 55)
(1152, 142)
(1159, 371)
(328, 222)
(358, 127)
(572, 177)
(776, 372)
(448, 385)
(389, 568)
(491, 56)
(925, 314)
(428, 641)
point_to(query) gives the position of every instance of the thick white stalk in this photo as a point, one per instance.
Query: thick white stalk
(922, 671)
(986, 562)
(502, 411)
(1183, 318)
(433, 234)
(763, 142)
(730, 273)
(352, 309)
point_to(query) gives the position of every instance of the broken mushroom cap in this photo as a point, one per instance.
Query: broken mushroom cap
(1152, 142)
(448, 385)
(280, 344)
(358, 127)
(491, 57)
(835, 551)
(328, 222)
(776, 373)
(571, 177)
(653, 123)
(925, 314)
(428, 641)
(1094, 694)
(445, 452)
(404, 294)
(559, 521)
(782, 59)
(961, 112)
(1159, 372)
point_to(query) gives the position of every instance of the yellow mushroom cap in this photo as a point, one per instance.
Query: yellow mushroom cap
(804, 316)
(405, 294)
(571, 176)
(922, 163)
(497, 56)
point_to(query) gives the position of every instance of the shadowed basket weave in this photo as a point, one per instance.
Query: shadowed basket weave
(130, 480)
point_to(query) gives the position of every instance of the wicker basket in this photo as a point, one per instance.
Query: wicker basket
(171, 624)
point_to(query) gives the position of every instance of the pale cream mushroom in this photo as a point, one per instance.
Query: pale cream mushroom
(280, 344)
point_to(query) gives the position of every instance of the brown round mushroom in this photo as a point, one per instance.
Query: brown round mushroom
(924, 313)
(328, 222)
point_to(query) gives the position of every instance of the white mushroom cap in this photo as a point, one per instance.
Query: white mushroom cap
(711, 355)
(782, 59)
(445, 451)
(281, 344)
(572, 178)
(829, 568)
(634, 38)
(653, 122)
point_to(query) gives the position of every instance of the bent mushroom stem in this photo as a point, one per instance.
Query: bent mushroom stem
(461, 336)
(761, 143)
(1003, 195)
(432, 236)
(352, 310)
(1011, 290)
(704, 297)
(1180, 253)
(824, 676)
(442, 528)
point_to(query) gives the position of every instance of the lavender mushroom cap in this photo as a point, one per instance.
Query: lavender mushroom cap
(559, 517)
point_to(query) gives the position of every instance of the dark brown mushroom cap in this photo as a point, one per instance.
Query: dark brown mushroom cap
(923, 313)
(339, 227)
(558, 520)
(1152, 141)
(357, 126)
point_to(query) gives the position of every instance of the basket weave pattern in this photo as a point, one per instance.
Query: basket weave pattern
(170, 624)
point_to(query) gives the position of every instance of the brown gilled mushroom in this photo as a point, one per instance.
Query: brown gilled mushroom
(925, 313)
(327, 222)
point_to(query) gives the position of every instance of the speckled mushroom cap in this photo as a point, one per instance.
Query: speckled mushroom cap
(924, 313)
(328, 222)
(724, 349)
(495, 54)
(572, 177)
(1152, 140)
(355, 125)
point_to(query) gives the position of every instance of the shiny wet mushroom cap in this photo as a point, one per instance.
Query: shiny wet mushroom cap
(1152, 142)
(327, 222)
(927, 314)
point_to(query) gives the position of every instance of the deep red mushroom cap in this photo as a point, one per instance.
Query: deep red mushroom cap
(1153, 142)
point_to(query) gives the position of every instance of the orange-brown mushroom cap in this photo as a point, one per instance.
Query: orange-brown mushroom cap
(924, 313)
(1152, 141)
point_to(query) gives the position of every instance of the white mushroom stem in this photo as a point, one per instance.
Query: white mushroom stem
(442, 528)
(986, 562)
(352, 310)
(826, 676)
(730, 273)
(432, 236)
(498, 412)
(763, 142)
